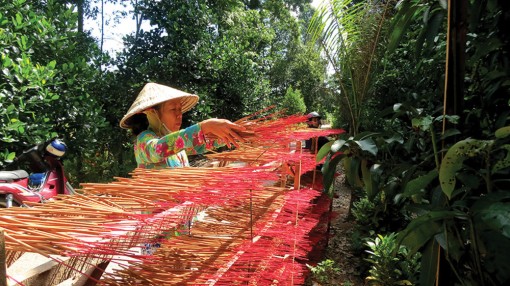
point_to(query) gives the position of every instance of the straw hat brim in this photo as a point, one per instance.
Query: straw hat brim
(153, 94)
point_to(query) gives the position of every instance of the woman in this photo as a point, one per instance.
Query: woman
(155, 118)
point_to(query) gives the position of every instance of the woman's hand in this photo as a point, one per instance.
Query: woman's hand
(223, 129)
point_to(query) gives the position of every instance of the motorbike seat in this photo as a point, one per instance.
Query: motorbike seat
(9, 176)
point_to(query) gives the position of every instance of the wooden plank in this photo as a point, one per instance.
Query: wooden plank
(32, 264)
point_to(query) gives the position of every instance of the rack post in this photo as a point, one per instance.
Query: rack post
(297, 168)
(3, 258)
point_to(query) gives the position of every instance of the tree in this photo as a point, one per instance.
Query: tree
(210, 49)
(45, 79)
(293, 102)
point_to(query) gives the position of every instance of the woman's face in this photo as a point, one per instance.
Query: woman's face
(170, 114)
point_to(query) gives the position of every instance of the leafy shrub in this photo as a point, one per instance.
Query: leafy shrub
(390, 264)
(324, 271)
(364, 211)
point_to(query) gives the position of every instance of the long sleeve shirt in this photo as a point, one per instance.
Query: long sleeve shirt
(171, 150)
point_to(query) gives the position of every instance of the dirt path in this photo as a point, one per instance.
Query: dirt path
(339, 244)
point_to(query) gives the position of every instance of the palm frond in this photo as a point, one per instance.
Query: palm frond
(348, 34)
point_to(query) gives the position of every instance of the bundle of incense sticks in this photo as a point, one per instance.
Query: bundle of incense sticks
(202, 186)
(233, 252)
(252, 156)
(205, 225)
(277, 129)
(272, 138)
(88, 223)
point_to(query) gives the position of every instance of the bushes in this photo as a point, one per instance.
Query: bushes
(390, 263)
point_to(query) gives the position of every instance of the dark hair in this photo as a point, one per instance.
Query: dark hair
(138, 123)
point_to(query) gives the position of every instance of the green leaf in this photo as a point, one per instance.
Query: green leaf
(401, 23)
(429, 262)
(450, 132)
(52, 64)
(367, 179)
(503, 163)
(323, 151)
(423, 123)
(491, 211)
(337, 145)
(6, 62)
(23, 42)
(430, 30)
(329, 170)
(19, 19)
(453, 161)
(352, 168)
(365, 135)
(496, 216)
(394, 138)
(422, 229)
(10, 156)
(368, 145)
(502, 132)
(375, 177)
(420, 183)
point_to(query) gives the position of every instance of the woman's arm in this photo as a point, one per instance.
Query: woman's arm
(150, 148)
(153, 149)
(225, 130)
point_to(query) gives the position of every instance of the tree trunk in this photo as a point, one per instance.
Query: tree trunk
(456, 58)
(81, 16)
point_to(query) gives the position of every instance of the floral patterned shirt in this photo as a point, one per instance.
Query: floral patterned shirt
(152, 151)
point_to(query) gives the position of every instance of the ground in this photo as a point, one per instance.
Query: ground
(339, 244)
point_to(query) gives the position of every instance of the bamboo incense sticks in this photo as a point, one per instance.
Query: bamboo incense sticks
(202, 226)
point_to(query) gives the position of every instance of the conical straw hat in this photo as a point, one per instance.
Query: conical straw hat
(153, 94)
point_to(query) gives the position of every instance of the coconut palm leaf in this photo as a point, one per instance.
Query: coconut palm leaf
(349, 35)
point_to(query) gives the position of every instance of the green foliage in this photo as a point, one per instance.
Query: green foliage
(353, 151)
(101, 166)
(293, 102)
(350, 35)
(214, 50)
(472, 228)
(324, 272)
(454, 158)
(455, 206)
(364, 211)
(390, 262)
(44, 79)
(227, 53)
(470, 167)
(25, 85)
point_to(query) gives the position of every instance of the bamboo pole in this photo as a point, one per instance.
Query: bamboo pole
(316, 143)
(3, 262)
(297, 170)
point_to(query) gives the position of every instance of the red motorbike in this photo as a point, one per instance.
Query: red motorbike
(45, 180)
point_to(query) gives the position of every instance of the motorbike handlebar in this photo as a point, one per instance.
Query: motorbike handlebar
(34, 156)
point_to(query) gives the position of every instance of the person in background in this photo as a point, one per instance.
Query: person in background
(155, 118)
(314, 121)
